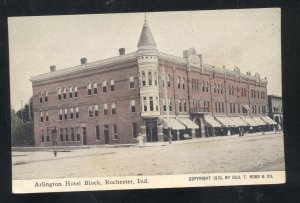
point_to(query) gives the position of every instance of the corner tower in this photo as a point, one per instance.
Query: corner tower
(147, 58)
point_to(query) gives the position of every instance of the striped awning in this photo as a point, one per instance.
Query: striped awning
(268, 120)
(259, 121)
(212, 122)
(188, 123)
(249, 121)
(245, 106)
(173, 123)
(238, 121)
(226, 121)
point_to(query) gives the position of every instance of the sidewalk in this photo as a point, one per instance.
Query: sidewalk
(146, 144)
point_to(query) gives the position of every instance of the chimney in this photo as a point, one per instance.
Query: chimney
(122, 51)
(83, 61)
(52, 68)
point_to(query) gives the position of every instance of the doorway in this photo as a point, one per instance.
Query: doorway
(198, 130)
(84, 138)
(151, 131)
(106, 134)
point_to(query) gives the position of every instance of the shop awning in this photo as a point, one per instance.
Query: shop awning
(238, 121)
(245, 106)
(173, 123)
(249, 121)
(212, 122)
(259, 121)
(226, 121)
(188, 123)
(268, 120)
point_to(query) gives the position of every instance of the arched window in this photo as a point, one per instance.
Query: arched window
(42, 116)
(112, 85)
(131, 82)
(178, 82)
(66, 114)
(70, 91)
(105, 111)
(143, 79)
(71, 113)
(215, 88)
(179, 105)
(229, 90)
(155, 79)
(89, 89)
(168, 81)
(64, 93)
(46, 96)
(113, 108)
(59, 94)
(149, 78)
(132, 105)
(95, 88)
(104, 86)
(203, 86)
(75, 91)
(183, 83)
(96, 110)
(41, 97)
(222, 88)
(197, 84)
(184, 105)
(232, 91)
(257, 94)
(164, 105)
(218, 88)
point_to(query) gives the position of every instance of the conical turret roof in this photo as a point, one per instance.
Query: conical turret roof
(146, 39)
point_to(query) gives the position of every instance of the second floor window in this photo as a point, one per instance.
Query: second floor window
(143, 79)
(112, 85)
(75, 91)
(66, 114)
(164, 105)
(60, 114)
(132, 105)
(151, 103)
(145, 103)
(183, 83)
(59, 94)
(168, 81)
(90, 111)
(178, 82)
(77, 112)
(42, 117)
(179, 105)
(64, 93)
(104, 86)
(131, 82)
(89, 89)
(95, 88)
(96, 110)
(47, 116)
(113, 108)
(46, 96)
(170, 105)
(71, 113)
(70, 92)
(184, 106)
(105, 111)
(149, 78)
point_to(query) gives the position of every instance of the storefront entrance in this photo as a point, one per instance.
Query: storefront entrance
(151, 130)
(198, 130)
(84, 138)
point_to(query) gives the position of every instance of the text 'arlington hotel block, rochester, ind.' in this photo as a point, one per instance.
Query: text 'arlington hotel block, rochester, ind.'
(156, 94)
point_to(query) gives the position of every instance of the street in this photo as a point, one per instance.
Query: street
(200, 155)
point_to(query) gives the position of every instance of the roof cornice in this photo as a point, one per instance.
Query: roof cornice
(85, 67)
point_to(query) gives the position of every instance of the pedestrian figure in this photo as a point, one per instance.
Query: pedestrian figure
(170, 137)
(140, 140)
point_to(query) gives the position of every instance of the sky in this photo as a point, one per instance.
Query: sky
(247, 38)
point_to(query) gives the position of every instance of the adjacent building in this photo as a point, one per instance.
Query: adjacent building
(275, 108)
(149, 92)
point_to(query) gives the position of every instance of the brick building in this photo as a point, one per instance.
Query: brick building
(156, 94)
(275, 108)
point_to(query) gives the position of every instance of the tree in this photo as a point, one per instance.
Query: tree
(22, 133)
